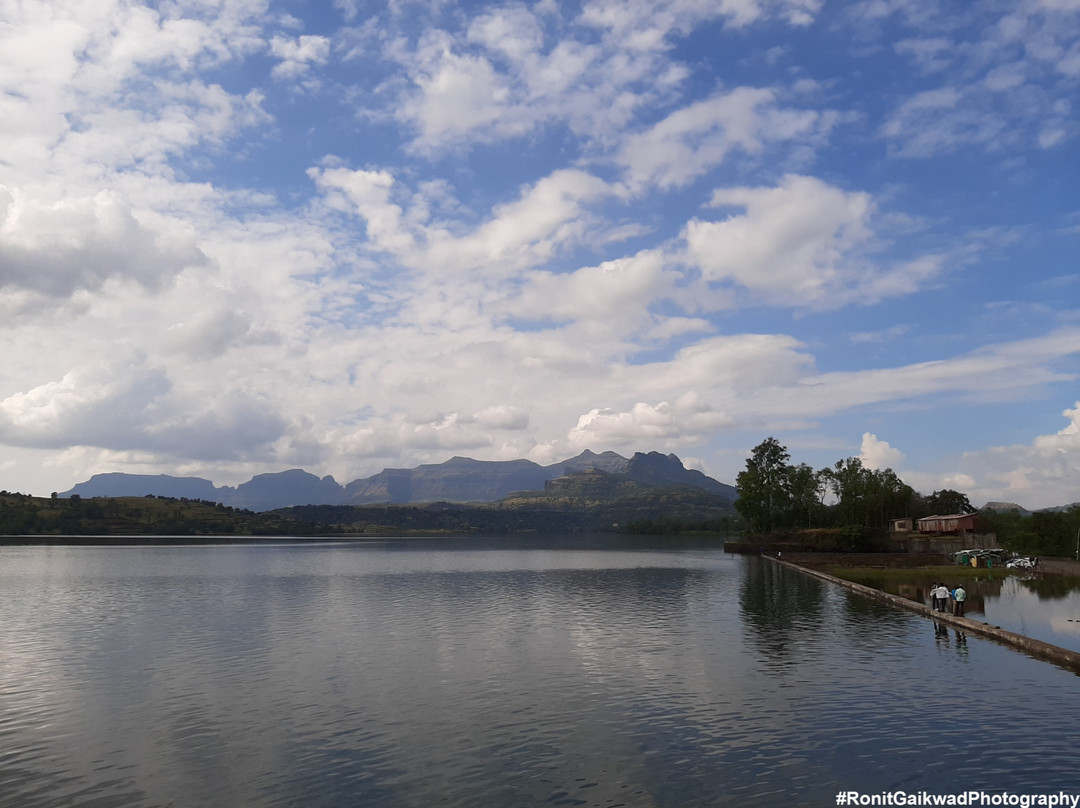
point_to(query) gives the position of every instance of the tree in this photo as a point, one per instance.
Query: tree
(868, 497)
(849, 481)
(764, 487)
(806, 489)
(947, 501)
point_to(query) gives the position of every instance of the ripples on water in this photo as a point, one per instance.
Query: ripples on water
(421, 673)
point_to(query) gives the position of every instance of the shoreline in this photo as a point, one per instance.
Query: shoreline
(1047, 652)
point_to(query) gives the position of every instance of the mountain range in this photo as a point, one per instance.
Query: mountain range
(1004, 507)
(460, 479)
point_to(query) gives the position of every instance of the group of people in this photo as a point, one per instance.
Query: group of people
(940, 595)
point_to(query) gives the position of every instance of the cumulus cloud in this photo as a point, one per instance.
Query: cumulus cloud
(457, 95)
(614, 296)
(57, 248)
(231, 425)
(134, 407)
(1039, 475)
(664, 424)
(93, 406)
(1067, 440)
(503, 416)
(298, 55)
(802, 243)
(209, 333)
(508, 73)
(546, 217)
(425, 294)
(878, 454)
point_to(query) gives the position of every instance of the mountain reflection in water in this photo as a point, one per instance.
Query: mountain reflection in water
(643, 672)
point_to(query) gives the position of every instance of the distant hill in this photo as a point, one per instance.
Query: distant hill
(460, 479)
(117, 484)
(1004, 507)
(1059, 508)
(661, 469)
(265, 492)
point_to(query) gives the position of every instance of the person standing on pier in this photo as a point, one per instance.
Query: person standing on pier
(959, 596)
(941, 597)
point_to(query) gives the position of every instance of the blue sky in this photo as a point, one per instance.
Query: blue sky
(244, 236)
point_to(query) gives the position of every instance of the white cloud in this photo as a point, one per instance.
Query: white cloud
(698, 137)
(1039, 475)
(526, 232)
(298, 55)
(513, 32)
(507, 73)
(941, 121)
(1006, 77)
(878, 454)
(647, 25)
(932, 54)
(55, 248)
(457, 96)
(663, 424)
(1067, 440)
(209, 334)
(427, 303)
(989, 374)
(123, 404)
(801, 244)
(615, 295)
(502, 416)
(95, 405)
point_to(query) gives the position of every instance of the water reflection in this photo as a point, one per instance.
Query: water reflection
(782, 610)
(645, 674)
(1044, 607)
(947, 638)
(1051, 587)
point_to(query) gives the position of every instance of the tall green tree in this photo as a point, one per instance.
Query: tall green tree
(849, 481)
(947, 501)
(892, 497)
(806, 490)
(868, 497)
(764, 486)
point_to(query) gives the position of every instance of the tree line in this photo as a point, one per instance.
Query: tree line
(1045, 533)
(776, 495)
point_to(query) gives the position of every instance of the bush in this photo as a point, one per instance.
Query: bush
(853, 539)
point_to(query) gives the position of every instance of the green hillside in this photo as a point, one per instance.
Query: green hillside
(591, 501)
(134, 516)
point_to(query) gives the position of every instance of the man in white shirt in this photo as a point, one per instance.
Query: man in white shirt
(940, 594)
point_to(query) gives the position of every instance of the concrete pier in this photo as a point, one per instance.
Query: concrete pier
(1048, 652)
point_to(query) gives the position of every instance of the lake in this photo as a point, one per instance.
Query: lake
(495, 672)
(1044, 607)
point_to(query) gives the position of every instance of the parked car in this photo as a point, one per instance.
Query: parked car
(1021, 563)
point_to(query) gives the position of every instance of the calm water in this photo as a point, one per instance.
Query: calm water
(1044, 607)
(460, 673)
